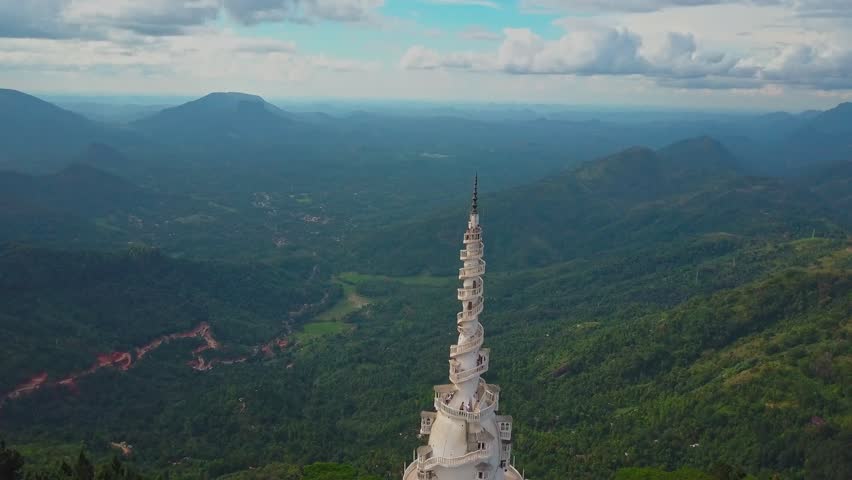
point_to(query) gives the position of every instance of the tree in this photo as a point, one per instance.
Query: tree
(11, 463)
(114, 470)
(330, 471)
(84, 470)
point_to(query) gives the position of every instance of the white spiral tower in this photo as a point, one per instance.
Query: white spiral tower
(467, 438)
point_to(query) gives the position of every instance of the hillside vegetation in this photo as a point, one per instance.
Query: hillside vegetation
(624, 201)
(209, 304)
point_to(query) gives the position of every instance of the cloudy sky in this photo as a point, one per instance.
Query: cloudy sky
(764, 54)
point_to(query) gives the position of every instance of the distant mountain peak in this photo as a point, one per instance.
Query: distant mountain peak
(226, 102)
(836, 121)
(231, 97)
(219, 116)
(24, 103)
(11, 93)
(30, 123)
(644, 173)
(844, 108)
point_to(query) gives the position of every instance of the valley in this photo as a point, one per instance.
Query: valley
(659, 299)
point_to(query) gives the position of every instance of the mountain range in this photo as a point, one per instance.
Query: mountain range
(225, 289)
(690, 188)
(38, 133)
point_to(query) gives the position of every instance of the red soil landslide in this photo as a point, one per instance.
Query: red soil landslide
(29, 386)
(119, 360)
(267, 348)
(123, 361)
(126, 449)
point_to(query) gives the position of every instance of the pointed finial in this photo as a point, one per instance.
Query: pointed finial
(473, 205)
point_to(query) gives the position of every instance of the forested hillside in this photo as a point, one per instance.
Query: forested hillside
(714, 343)
(623, 201)
(53, 326)
(202, 303)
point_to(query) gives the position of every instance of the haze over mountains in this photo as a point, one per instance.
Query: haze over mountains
(239, 290)
(686, 189)
(766, 143)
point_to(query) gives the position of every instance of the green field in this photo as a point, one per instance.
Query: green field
(355, 278)
(323, 328)
(304, 199)
(333, 320)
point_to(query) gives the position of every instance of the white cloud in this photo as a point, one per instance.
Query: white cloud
(258, 11)
(805, 8)
(149, 17)
(597, 6)
(584, 50)
(580, 52)
(823, 8)
(476, 32)
(36, 18)
(100, 18)
(800, 48)
(826, 67)
(209, 58)
(679, 57)
(326, 62)
(422, 58)
(97, 18)
(475, 3)
(589, 49)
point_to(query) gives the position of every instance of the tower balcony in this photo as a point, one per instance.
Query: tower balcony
(472, 252)
(469, 345)
(472, 271)
(427, 461)
(466, 294)
(414, 473)
(426, 421)
(513, 474)
(470, 313)
(473, 236)
(410, 472)
(465, 255)
(460, 376)
(482, 409)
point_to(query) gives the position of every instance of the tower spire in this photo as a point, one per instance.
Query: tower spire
(473, 205)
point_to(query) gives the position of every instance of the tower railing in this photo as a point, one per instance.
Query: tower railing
(472, 236)
(470, 314)
(513, 474)
(469, 293)
(432, 462)
(472, 251)
(487, 405)
(469, 345)
(465, 375)
(472, 271)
